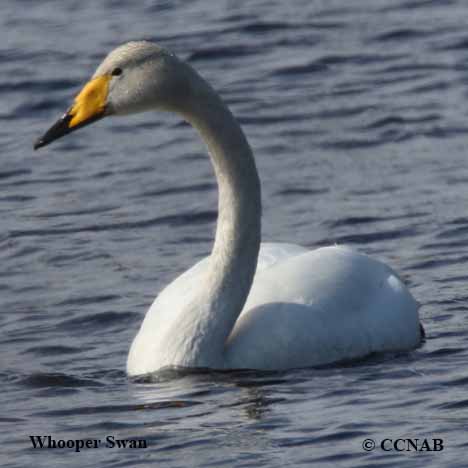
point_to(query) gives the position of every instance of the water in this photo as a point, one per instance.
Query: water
(357, 114)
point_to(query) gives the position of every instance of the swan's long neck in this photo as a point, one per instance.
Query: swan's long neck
(209, 319)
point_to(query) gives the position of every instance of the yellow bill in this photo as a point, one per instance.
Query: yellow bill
(89, 106)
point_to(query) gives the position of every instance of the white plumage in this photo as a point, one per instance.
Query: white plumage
(304, 308)
(294, 307)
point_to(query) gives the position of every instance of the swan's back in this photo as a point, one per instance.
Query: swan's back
(322, 306)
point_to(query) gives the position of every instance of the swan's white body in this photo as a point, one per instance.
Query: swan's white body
(275, 307)
(305, 308)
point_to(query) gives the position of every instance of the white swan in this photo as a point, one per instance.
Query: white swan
(293, 308)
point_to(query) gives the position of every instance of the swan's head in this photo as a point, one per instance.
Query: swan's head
(135, 77)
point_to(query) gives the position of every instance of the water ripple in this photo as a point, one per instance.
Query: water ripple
(202, 217)
(356, 114)
(41, 380)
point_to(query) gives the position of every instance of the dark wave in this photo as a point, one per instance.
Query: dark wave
(181, 219)
(39, 86)
(370, 237)
(397, 120)
(101, 320)
(206, 187)
(403, 35)
(48, 380)
(220, 52)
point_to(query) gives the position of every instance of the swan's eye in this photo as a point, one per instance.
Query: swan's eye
(116, 71)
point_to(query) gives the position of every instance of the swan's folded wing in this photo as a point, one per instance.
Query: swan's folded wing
(323, 306)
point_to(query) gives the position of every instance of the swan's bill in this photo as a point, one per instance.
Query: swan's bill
(89, 106)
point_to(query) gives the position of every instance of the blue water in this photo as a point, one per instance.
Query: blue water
(357, 114)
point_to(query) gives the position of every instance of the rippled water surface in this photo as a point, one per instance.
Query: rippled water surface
(357, 114)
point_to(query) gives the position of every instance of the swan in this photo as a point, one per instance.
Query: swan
(248, 304)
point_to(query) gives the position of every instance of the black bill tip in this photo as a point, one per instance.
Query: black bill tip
(61, 128)
(39, 143)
